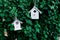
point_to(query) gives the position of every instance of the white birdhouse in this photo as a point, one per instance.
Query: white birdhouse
(17, 24)
(35, 13)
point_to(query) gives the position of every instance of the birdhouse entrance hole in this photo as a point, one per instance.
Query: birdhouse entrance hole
(34, 11)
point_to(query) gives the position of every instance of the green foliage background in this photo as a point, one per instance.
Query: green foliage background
(46, 28)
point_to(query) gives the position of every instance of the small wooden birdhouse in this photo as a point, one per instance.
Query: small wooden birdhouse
(35, 13)
(17, 24)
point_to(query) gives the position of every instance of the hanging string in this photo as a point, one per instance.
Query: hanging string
(15, 12)
(34, 2)
(15, 17)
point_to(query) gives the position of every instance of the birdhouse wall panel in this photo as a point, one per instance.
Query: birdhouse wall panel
(17, 27)
(35, 15)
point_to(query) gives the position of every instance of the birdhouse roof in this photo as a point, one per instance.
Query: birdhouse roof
(16, 21)
(35, 8)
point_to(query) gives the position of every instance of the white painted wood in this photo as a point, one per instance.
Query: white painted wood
(17, 25)
(35, 13)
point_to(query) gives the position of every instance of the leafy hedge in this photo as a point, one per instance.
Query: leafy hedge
(46, 28)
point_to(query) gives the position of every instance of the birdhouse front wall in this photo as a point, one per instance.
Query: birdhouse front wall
(17, 26)
(34, 15)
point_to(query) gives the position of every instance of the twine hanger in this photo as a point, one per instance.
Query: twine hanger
(34, 2)
(15, 16)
